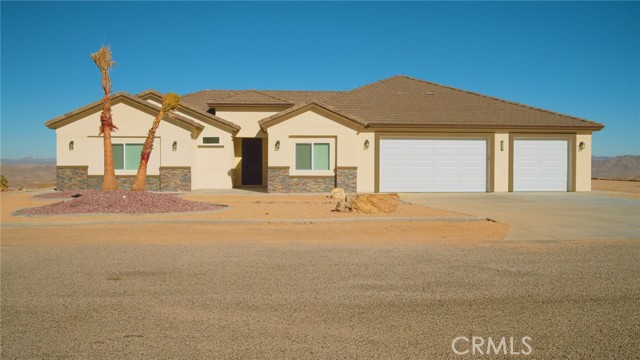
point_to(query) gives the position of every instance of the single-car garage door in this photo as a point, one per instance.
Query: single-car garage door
(433, 165)
(540, 165)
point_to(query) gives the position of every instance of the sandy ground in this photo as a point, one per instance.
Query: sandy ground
(111, 293)
(240, 207)
(625, 189)
(185, 286)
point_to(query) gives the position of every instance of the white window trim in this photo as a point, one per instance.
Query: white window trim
(332, 156)
(126, 171)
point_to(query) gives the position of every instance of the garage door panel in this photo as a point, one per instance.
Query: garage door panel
(540, 165)
(432, 165)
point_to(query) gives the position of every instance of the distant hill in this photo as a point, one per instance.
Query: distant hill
(29, 172)
(626, 167)
(29, 160)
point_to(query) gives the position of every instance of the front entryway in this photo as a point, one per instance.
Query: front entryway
(252, 161)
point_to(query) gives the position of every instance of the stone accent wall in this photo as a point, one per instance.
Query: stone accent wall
(170, 179)
(314, 184)
(71, 177)
(279, 181)
(347, 178)
(94, 182)
(175, 178)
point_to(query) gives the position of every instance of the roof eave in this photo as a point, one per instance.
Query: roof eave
(488, 126)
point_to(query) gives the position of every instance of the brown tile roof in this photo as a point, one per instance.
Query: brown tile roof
(404, 101)
(201, 99)
(301, 96)
(191, 110)
(249, 97)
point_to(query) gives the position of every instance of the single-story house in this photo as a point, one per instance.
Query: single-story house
(396, 135)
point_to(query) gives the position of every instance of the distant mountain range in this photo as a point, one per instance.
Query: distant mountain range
(626, 167)
(29, 160)
(29, 172)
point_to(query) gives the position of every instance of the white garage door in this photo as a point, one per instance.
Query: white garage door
(433, 165)
(540, 165)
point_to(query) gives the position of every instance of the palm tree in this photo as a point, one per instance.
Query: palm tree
(169, 103)
(102, 58)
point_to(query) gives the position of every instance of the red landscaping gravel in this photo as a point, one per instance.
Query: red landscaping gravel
(116, 202)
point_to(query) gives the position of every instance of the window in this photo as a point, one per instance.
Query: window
(211, 140)
(126, 156)
(312, 156)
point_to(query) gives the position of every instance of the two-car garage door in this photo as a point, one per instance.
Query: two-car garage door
(460, 165)
(433, 165)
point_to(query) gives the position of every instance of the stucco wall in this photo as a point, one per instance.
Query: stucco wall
(213, 166)
(583, 162)
(133, 125)
(500, 162)
(247, 118)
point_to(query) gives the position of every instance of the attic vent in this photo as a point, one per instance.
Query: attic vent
(429, 93)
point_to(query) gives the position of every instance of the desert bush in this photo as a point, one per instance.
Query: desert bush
(4, 183)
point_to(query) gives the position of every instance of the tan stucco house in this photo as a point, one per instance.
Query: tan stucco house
(399, 134)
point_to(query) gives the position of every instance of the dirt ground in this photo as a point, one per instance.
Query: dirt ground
(261, 218)
(319, 285)
(625, 189)
(309, 291)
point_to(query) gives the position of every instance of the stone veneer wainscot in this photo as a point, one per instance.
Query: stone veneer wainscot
(279, 181)
(170, 179)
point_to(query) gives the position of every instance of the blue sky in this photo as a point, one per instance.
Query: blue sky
(578, 58)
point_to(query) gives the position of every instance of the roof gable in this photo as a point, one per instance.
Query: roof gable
(122, 97)
(301, 108)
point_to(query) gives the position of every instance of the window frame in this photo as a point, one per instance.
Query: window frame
(211, 138)
(124, 170)
(312, 141)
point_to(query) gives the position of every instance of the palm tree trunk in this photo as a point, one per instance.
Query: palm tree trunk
(170, 102)
(109, 181)
(102, 58)
(140, 182)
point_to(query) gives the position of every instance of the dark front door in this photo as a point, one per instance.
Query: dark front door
(251, 161)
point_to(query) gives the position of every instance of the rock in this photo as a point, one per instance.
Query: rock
(337, 193)
(369, 203)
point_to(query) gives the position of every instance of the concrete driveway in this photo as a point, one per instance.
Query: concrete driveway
(545, 216)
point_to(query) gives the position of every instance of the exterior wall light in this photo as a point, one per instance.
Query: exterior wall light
(581, 146)
(501, 145)
(366, 144)
(174, 146)
(71, 145)
(277, 145)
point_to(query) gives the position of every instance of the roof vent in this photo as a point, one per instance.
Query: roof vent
(429, 93)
